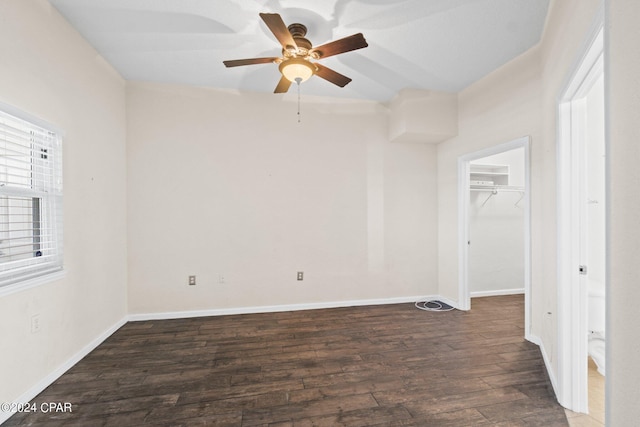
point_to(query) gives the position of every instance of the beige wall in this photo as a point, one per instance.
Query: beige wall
(568, 26)
(503, 106)
(516, 100)
(49, 71)
(230, 185)
(623, 99)
(218, 185)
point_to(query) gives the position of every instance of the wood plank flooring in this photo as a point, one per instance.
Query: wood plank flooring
(390, 365)
(596, 415)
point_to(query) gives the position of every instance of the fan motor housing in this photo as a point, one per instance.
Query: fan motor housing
(298, 31)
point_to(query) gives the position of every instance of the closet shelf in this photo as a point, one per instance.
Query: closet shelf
(496, 188)
(488, 176)
(490, 173)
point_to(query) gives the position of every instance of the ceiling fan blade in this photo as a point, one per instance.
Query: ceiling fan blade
(336, 47)
(279, 29)
(332, 76)
(251, 61)
(283, 85)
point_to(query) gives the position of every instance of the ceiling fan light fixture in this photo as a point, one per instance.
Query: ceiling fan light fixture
(298, 54)
(297, 68)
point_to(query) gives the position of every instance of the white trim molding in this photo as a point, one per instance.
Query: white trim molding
(500, 292)
(464, 295)
(45, 382)
(32, 283)
(545, 358)
(572, 338)
(280, 308)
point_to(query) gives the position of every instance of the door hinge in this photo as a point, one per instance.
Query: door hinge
(582, 269)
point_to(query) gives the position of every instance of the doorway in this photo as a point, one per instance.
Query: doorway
(581, 228)
(496, 225)
(489, 180)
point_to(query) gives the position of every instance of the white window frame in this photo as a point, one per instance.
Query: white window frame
(21, 131)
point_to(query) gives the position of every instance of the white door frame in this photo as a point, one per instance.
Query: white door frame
(572, 378)
(464, 200)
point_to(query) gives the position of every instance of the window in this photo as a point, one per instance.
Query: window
(30, 200)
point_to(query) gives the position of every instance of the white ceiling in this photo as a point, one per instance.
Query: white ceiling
(440, 45)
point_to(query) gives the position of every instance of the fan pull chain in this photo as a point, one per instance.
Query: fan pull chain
(298, 80)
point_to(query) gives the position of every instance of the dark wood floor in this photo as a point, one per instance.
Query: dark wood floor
(390, 365)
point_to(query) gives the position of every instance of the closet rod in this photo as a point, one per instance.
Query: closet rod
(495, 190)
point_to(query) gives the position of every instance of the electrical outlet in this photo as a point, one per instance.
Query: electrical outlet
(220, 278)
(35, 323)
(300, 275)
(192, 280)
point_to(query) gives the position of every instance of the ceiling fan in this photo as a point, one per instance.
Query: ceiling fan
(296, 64)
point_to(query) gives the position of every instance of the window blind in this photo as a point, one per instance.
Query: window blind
(30, 200)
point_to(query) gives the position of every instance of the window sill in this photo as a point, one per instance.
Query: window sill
(31, 283)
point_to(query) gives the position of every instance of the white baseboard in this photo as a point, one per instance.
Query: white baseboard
(547, 362)
(45, 382)
(277, 308)
(497, 293)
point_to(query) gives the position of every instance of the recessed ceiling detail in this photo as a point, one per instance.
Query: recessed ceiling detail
(441, 45)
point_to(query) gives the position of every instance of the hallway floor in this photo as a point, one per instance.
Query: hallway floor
(595, 418)
(386, 365)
